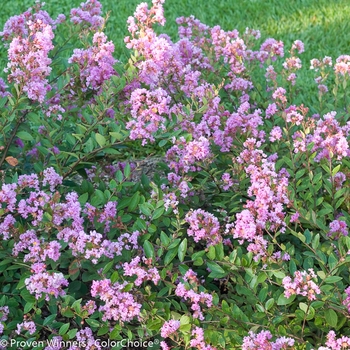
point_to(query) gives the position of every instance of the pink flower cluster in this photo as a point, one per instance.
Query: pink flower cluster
(262, 341)
(269, 190)
(86, 337)
(342, 65)
(39, 250)
(46, 284)
(27, 326)
(302, 284)
(198, 340)
(119, 305)
(346, 302)
(329, 139)
(29, 64)
(169, 327)
(17, 26)
(143, 274)
(337, 229)
(333, 343)
(148, 109)
(203, 226)
(95, 63)
(183, 156)
(88, 14)
(4, 312)
(51, 178)
(186, 291)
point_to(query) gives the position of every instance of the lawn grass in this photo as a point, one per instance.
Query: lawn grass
(323, 24)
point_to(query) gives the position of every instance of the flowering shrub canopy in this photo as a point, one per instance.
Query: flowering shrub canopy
(237, 239)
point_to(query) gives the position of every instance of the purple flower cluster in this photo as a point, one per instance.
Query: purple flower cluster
(29, 64)
(51, 178)
(183, 156)
(169, 327)
(17, 26)
(88, 14)
(262, 341)
(27, 326)
(269, 190)
(337, 229)
(47, 284)
(4, 312)
(329, 139)
(186, 291)
(203, 226)
(86, 337)
(302, 284)
(336, 344)
(143, 274)
(119, 305)
(198, 340)
(148, 109)
(95, 63)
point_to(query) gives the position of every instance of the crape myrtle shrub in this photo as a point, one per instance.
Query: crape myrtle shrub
(240, 238)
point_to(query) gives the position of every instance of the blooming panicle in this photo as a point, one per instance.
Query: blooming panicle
(269, 190)
(302, 284)
(119, 305)
(88, 15)
(185, 290)
(143, 274)
(203, 226)
(169, 327)
(262, 341)
(29, 64)
(337, 229)
(149, 110)
(342, 65)
(17, 26)
(333, 343)
(95, 63)
(183, 156)
(328, 137)
(198, 340)
(26, 326)
(46, 284)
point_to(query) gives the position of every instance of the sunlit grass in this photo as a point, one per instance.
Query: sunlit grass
(323, 24)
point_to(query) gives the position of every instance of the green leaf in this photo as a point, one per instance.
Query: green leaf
(71, 334)
(145, 209)
(269, 304)
(158, 213)
(127, 170)
(333, 279)
(282, 300)
(149, 249)
(316, 241)
(134, 201)
(182, 250)
(331, 317)
(211, 252)
(25, 136)
(28, 307)
(63, 329)
(101, 140)
(49, 319)
(170, 255)
(216, 270)
(93, 323)
(164, 239)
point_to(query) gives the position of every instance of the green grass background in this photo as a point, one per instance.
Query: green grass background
(323, 25)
